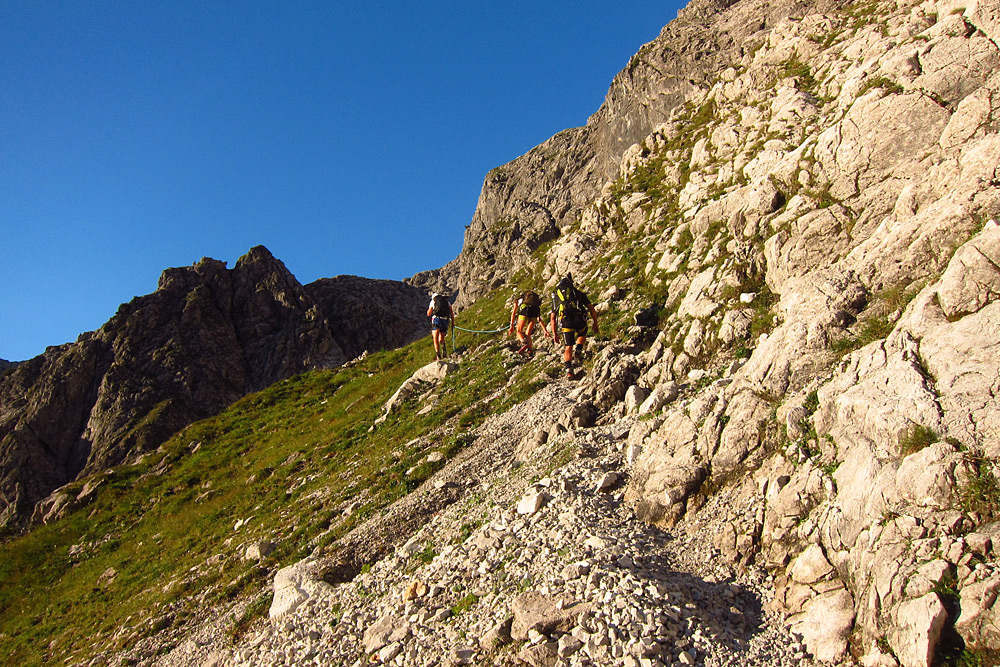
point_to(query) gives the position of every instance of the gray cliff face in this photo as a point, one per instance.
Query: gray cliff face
(532, 199)
(206, 337)
(369, 315)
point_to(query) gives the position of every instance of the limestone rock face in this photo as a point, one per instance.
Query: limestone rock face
(533, 199)
(821, 223)
(206, 337)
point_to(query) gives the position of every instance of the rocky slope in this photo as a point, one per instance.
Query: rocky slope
(206, 337)
(814, 220)
(531, 200)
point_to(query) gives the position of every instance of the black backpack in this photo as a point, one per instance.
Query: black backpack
(570, 306)
(440, 308)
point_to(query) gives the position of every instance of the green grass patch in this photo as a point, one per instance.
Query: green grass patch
(981, 495)
(464, 604)
(916, 438)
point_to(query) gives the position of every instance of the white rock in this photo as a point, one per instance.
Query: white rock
(389, 652)
(918, 629)
(531, 502)
(811, 566)
(607, 482)
(293, 585)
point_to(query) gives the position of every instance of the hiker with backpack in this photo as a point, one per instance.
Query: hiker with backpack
(442, 316)
(526, 313)
(571, 306)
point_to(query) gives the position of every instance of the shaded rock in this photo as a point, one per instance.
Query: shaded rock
(918, 629)
(497, 636)
(540, 655)
(534, 611)
(979, 618)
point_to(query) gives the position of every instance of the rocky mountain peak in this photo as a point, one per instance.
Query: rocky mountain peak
(207, 336)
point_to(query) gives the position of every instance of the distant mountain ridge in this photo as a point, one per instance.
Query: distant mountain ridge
(206, 337)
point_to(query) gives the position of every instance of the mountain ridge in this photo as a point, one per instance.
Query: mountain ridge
(207, 336)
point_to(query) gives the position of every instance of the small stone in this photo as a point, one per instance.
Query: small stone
(531, 502)
(415, 589)
(607, 482)
(462, 656)
(389, 652)
(568, 645)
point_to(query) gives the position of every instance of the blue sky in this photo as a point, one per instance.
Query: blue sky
(348, 138)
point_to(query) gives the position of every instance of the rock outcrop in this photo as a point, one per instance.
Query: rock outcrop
(369, 315)
(825, 214)
(206, 337)
(535, 198)
(816, 202)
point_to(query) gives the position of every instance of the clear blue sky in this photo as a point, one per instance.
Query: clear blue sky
(348, 138)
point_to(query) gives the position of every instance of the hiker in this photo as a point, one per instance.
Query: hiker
(524, 315)
(442, 316)
(571, 306)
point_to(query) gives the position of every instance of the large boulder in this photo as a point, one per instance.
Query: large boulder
(534, 611)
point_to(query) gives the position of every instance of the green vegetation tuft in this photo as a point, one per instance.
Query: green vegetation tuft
(880, 82)
(981, 495)
(794, 68)
(916, 438)
(464, 604)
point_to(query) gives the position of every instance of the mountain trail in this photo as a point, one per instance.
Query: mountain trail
(539, 562)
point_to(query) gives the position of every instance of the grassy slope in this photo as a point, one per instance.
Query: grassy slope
(287, 461)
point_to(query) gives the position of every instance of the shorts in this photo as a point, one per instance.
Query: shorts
(440, 323)
(570, 335)
(529, 311)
